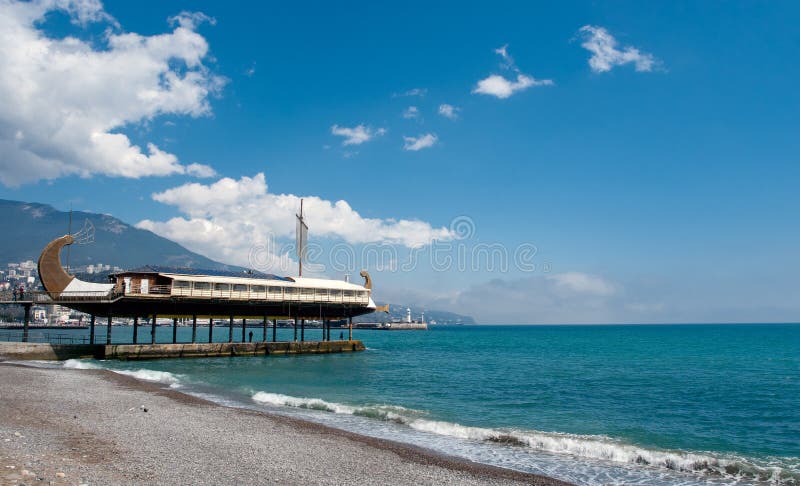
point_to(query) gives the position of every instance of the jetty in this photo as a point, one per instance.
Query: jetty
(148, 293)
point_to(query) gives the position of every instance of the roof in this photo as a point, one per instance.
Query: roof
(319, 283)
(199, 272)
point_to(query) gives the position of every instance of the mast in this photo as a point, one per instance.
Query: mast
(302, 239)
(69, 232)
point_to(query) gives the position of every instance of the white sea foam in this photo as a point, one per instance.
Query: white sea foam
(153, 376)
(581, 446)
(81, 364)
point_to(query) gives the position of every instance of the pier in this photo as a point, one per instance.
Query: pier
(19, 345)
(49, 351)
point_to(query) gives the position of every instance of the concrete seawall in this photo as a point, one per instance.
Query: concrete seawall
(45, 351)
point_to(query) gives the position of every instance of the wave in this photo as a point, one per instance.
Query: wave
(80, 364)
(582, 446)
(152, 376)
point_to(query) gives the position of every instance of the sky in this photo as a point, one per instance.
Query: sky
(628, 162)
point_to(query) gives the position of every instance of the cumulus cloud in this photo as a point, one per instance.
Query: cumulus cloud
(63, 101)
(420, 142)
(501, 87)
(356, 135)
(606, 54)
(226, 218)
(411, 112)
(200, 170)
(449, 111)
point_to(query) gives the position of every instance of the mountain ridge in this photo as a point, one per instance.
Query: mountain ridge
(30, 226)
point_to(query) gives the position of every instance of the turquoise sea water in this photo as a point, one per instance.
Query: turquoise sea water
(669, 404)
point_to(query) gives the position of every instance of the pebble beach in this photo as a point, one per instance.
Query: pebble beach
(60, 426)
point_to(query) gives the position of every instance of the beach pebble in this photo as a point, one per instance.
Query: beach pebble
(24, 472)
(60, 475)
(17, 434)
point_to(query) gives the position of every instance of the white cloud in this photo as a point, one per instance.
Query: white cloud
(63, 101)
(225, 219)
(449, 111)
(496, 85)
(606, 55)
(421, 92)
(502, 87)
(356, 135)
(418, 143)
(583, 283)
(571, 297)
(411, 112)
(200, 170)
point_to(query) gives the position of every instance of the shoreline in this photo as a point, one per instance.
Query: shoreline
(45, 420)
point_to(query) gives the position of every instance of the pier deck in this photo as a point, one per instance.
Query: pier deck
(47, 351)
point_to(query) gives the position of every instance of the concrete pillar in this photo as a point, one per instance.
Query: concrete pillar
(302, 330)
(275, 330)
(91, 330)
(174, 330)
(244, 329)
(329, 330)
(153, 329)
(26, 323)
(264, 322)
(194, 329)
(210, 329)
(108, 329)
(350, 331)
(230, 330)
(135, 329)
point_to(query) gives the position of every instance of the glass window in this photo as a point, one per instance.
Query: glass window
(222, 286)
(336, 293)
(348, 293)
(202, 285)
(257, 288)
(181, 284)
(289, 290)
(240, 288)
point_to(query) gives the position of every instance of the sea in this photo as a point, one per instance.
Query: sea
(594, 404)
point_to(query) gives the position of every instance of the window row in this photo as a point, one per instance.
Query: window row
(184, 287)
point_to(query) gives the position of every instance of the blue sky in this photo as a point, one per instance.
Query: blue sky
(659, 190)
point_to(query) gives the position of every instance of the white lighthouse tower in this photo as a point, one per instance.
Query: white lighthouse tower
(408, 315)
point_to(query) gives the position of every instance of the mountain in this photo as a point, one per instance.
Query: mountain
(28, 227)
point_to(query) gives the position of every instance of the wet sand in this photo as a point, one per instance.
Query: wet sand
(65, 426)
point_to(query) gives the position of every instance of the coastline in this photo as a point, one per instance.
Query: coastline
(90, 425)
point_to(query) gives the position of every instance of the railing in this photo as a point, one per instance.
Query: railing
(44, 297)
(154, 290)
(47, 337)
